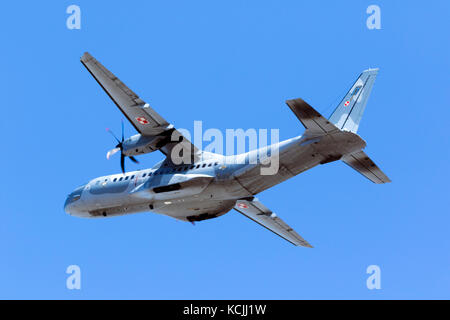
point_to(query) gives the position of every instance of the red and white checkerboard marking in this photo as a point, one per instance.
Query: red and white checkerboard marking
(242, 206)
(347, 103)
(142, 120)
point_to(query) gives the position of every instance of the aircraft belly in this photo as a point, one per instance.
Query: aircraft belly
(254, 182)
(300, 156)
(119, 210)
(195, 210)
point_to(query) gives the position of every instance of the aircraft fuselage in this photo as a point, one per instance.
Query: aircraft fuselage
(210, 187)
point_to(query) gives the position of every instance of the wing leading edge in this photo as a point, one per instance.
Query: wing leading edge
(259, 213)
(144, 118)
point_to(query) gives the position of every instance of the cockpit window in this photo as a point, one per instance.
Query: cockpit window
(75, 195)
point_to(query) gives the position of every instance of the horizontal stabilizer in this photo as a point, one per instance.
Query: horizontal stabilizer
(364, 165)
(256, 211)
(312, 120)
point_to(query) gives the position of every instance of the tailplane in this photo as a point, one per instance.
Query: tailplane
(346, 117)
(361, 162)
(349, 112)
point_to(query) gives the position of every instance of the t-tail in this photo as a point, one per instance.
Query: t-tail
(346, 117)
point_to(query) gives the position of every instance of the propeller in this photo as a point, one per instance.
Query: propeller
(119, 147)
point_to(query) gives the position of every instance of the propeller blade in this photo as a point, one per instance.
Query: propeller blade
(122, 132)
(122, 162)
(133, 159)
(112, 152)
(118, 148)
(112, 133)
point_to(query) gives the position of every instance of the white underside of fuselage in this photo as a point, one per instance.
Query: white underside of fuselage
(211, 191)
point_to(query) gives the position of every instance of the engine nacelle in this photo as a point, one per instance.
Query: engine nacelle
(139, 144)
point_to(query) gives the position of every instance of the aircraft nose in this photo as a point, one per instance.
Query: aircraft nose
(66, 204)
(72, 203)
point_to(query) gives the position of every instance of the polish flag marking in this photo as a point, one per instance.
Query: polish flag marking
(142, 120)
(242, 206)
(346, 103)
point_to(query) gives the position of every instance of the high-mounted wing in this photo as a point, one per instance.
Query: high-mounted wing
(144, 119)
(256, 211)
(140, 114)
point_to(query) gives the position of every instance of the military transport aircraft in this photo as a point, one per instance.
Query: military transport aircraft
(206, 185)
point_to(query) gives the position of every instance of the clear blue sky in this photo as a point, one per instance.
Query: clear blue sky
(231, 64)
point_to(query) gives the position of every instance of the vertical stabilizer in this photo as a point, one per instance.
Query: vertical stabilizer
(349, 112)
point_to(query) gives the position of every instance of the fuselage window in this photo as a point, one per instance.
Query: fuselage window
(132, 177)
(115, 179)
(120, 179)
(216, 163)
(204, 165)
(126, 178)
(209, 165)
(143, 176)
(198, 166)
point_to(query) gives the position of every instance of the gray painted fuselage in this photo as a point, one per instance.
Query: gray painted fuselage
(210, 187)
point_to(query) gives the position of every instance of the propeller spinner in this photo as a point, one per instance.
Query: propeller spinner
(119, 147)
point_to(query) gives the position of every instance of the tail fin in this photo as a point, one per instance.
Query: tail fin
(349, 112)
